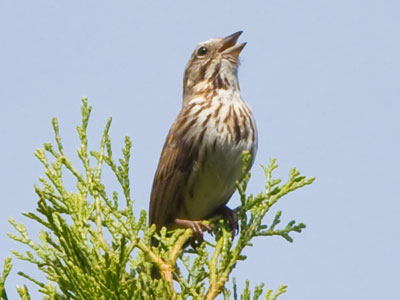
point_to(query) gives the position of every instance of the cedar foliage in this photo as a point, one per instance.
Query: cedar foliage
(93, 246)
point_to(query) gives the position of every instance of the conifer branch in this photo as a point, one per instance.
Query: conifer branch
(90, 248)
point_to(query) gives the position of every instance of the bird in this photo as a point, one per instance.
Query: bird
(201, 160)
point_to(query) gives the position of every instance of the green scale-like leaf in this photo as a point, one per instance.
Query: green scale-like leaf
(90, 248)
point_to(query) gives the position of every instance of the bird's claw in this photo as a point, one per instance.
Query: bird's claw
(198, 228)
(229, 215)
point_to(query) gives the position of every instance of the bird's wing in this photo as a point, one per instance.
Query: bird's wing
(176, 164)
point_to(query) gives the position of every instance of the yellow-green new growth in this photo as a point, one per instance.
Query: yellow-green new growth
(93, 247)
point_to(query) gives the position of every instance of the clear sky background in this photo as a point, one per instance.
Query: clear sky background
(322, 78)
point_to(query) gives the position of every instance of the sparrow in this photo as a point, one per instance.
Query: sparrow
(202, 156)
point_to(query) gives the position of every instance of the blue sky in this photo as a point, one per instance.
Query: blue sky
(322, 78)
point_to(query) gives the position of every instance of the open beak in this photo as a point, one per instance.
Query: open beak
(229, 46)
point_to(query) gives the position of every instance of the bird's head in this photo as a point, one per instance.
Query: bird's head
(213, 65)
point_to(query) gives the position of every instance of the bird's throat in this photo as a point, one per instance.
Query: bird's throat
(219, 76)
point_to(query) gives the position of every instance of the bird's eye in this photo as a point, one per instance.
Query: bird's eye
(202, 51)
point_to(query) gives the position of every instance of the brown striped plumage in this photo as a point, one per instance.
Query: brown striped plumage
(201, 158)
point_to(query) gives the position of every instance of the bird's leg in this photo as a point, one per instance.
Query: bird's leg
(198, 227)
(228, 214)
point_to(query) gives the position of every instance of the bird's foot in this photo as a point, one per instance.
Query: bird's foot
(198, 228)
(229, 215)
